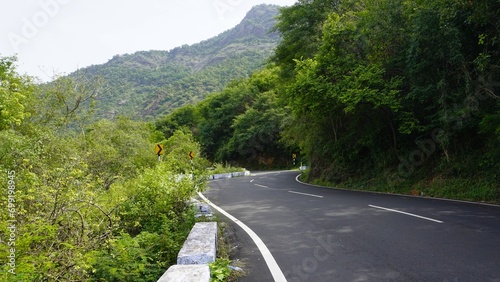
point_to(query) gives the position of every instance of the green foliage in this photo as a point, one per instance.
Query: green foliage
(219, 270)
(379, 77)
(218, 112)
(177, 157)
(58, 216)
(218, 168)
(67, 102)
(300, 26)
(15, 91)
(155, 220)
(146, 84)
(154, 194)
(117, 149)
(240, 125)
(360, 88)
(185, 117)
(90, 201)
(125, 260)
(490, 128)
(256, 136)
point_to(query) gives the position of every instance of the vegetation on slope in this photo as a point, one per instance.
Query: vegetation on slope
(240, 125)
(83, 200)
(384, 95)
(387, 95)
(148, 83)
(402, 95)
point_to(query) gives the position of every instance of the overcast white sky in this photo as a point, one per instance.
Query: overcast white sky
(59, 36)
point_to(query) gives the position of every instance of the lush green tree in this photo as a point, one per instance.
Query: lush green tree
(177, 148)
(58, 215)
(90, 202)
(343, 100)
(15, 91)
(240, 125)
(186, 116)
(300, 27)
(118, 149)
(256, 140)
(154, 215)
(384, 77)
(218, 112)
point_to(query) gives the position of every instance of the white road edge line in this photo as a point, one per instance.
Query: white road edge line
(262, 186)
(305, 194)
(406, 213)
(297, 178)
(268, 257)
(269, 172)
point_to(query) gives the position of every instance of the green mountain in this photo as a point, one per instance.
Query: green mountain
(149, 83)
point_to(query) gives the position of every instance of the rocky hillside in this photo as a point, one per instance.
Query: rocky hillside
(150, 83)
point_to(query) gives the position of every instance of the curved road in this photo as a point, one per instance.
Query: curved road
(322, 234)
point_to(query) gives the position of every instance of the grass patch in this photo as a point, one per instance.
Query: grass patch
(227, 168)
(475, 189)
(220, 270)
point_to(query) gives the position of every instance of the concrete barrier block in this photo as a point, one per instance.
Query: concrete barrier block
(240, 173)
(203, 209)
(228, 175)
(201, 245)
(186, 273)
(222, 176)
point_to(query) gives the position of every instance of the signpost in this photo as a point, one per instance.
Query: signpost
(191, 157)
(159, 151)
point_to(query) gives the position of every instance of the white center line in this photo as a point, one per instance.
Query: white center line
(305, 194)
(268, 257)
(262, 186)
(406, 213)
(252, 180)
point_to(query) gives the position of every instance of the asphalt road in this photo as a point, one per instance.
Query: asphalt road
(321, 234)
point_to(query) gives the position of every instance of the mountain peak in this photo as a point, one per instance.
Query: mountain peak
(260, 20)
(263, 11)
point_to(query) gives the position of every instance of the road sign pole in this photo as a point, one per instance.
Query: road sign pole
(191, 157)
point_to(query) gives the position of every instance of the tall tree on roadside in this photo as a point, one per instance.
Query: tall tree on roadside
(300, 27)
(15, 91)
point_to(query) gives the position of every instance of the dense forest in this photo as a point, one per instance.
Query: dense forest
(86, 200)
(384, 95)
(240, 125)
